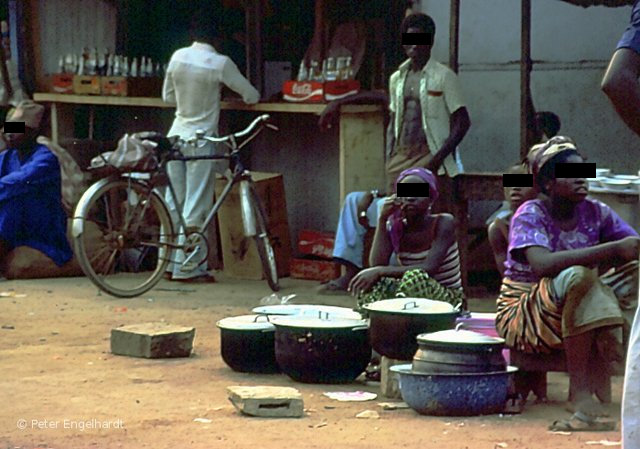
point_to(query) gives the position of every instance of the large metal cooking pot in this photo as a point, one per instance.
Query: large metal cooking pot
(308, 310)
(395, 324)
(321, 350)
(454, 394)
(458, 351)
(247, 344)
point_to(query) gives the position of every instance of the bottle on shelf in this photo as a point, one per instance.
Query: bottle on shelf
(117, 67)
(315, 74)
(149, 68)
(349, 69)
(303, 74)
(330, 72)
(133, 70)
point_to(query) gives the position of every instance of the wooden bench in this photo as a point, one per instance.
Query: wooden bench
(532, 375)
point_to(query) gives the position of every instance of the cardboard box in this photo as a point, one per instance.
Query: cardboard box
(239, 253)
(314, 269)
(114, 85)
(316, 243)
(62, 83)
(86, 85)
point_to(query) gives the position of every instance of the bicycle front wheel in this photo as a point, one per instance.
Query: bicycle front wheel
(123, 239)
(263, 243)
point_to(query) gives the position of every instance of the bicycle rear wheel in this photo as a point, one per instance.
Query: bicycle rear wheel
(124, 244)
(263, 243)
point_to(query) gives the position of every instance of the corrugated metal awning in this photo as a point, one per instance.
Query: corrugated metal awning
(611, 3)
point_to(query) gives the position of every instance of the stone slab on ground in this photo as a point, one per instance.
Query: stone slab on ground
(280, 402)
(152, 340)
(388, 380)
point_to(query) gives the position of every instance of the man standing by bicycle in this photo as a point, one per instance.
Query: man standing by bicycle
(193, 82)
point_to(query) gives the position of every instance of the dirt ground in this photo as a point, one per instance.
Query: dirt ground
(58, 373)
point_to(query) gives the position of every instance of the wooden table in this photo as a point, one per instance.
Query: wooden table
(361, 130)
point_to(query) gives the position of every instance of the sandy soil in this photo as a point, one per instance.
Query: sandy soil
(57, 372)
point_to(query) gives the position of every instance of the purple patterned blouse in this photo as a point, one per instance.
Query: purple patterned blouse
(532, 225)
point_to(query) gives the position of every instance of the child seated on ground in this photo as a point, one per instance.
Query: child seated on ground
(499, 229)
(423, 243)
(551, 297)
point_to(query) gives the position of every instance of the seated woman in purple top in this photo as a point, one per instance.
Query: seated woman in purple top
(552, 296)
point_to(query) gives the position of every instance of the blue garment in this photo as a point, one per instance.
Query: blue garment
(631, 37)
(31, 212)
(349, 244)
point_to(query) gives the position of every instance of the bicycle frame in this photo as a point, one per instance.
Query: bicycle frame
(239, 175)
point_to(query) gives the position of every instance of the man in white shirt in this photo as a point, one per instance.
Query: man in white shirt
(193, 82)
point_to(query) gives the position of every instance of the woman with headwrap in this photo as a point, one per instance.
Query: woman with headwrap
(551, 296)
(422, 243)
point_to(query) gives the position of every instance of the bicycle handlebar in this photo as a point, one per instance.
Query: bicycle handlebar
(264, 118)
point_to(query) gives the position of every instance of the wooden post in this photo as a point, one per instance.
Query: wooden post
(34, 54)
(253, 43)
(525, 75)
(454, 35)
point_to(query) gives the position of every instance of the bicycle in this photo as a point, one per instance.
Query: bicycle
(136, 235)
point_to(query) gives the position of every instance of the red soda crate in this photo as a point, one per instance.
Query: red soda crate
(335, 90)
(303, 91)
(314, 269)
(316, 243)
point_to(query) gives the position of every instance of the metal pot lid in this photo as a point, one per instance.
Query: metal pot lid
(323, 322)
(460, 336)
(308, 310)
(412, 306)
(246, 323)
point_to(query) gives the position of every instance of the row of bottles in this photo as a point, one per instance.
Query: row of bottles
(332, 69)
(91, 62)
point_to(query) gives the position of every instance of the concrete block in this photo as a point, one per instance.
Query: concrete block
(280, 402)
(152, 340)
(388, 380)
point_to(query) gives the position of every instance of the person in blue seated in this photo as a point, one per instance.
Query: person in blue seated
(31, 212)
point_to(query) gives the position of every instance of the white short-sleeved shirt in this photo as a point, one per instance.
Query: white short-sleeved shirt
(193, 82)
(440, 96)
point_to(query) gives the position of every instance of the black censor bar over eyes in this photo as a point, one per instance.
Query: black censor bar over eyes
(575, 170)
(417, 39)
(412, 189)
(14, 127)
(517, 180)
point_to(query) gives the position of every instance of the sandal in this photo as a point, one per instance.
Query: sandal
(580, 422)
(331, 288)
(202, 279)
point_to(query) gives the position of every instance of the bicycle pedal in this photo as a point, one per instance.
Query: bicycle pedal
(190, 263)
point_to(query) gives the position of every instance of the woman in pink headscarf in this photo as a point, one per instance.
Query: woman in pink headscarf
(414, 252)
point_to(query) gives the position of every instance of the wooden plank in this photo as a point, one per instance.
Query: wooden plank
(525, 75)
(310, 108)
(34, 54)
(361, 152)
(454, 34)
(468, 187)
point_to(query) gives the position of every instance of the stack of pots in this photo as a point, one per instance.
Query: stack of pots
(309, 343)
(456, 373)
